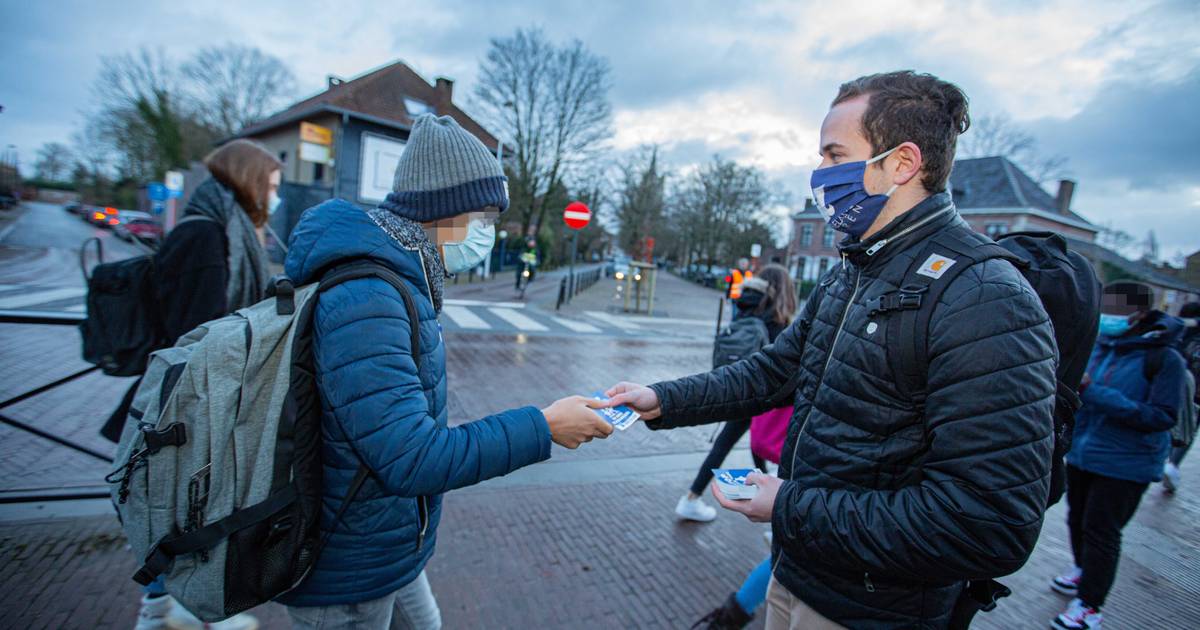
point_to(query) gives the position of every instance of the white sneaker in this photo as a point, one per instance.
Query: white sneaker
(695, 510)
(1077, 617)
(153, 613)
(769, 537)
(1171, 477)
(1067, 583)
(181, 619)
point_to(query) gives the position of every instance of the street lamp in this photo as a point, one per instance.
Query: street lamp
(503, 238)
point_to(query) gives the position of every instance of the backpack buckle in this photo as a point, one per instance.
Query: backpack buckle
(175, 434)
(906, 299)
(284, 292)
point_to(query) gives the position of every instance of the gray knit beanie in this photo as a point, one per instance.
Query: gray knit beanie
(443, 172)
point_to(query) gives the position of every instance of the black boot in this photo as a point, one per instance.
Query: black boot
(729, 616)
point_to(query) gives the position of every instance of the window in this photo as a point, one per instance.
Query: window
(283, 156)
(318, 173)
(828, 237)
(806, 235)
(996, 230)
(416, 108)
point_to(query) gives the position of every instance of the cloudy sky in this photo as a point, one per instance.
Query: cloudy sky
(1112, 85)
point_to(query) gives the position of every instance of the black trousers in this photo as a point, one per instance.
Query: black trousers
(729, 435)
(1098, 508)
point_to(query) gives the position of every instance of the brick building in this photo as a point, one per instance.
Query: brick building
(996, 197)
(345, 141)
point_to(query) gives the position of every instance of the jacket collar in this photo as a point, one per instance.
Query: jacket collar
(905, 231)
(1159, 329)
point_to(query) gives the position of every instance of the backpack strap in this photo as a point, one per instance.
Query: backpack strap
(338, 275)
(943, 259)
(1153, 362)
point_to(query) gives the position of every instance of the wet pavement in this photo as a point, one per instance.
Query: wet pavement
(586, 540)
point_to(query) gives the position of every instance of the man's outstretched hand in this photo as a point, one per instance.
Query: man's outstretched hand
(572, 421)
(639, 398)
(760, 507)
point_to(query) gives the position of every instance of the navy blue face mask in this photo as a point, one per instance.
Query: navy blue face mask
(842, 196)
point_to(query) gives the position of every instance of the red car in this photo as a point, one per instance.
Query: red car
(137, 224)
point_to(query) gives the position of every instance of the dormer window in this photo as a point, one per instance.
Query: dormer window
(416, 108)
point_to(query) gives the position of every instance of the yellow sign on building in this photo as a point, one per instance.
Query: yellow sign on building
(315, 134)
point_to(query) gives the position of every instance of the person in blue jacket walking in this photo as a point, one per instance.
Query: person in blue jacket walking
(377, 409)
(1131, 395)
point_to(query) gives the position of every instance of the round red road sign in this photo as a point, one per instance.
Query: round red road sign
(577, 215)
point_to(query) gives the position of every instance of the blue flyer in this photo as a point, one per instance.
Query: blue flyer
(621, 417)
(732, 482)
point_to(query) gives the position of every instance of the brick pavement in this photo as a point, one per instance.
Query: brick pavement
(604, 555)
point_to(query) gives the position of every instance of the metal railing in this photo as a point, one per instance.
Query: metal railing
(572, 285)
(46, 318)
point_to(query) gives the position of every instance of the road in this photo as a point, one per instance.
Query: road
(584, 540)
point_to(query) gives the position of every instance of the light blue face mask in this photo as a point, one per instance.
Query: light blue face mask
(273, 202)
(468, 253)
(1114, 325)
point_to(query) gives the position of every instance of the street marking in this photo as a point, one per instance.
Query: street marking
(517, 319)
(39, 297)
(483, 303)
(614, 321)
(78, 308)
(668, 321)
(464, 318)
(580, 327)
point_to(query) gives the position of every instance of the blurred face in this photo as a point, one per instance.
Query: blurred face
(273, 183)
(454, 229)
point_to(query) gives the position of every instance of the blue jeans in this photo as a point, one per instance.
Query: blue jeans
(410, 608)
(754, 590)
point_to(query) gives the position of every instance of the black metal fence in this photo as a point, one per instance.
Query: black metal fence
(15, 318)
(572, 285)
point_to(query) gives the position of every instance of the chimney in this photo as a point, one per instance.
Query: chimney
(808, 203)
(1066, 190)
(444, 93)
(333, 81)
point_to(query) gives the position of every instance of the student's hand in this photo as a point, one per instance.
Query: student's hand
(639, 398)
(759, 508)
(572, 421)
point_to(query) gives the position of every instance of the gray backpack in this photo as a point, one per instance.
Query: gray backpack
(217, 477)
(741, 338)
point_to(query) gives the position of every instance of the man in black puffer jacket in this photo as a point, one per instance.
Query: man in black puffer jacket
(884, 506)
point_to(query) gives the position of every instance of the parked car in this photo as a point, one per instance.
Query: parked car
(73, 207)
(7, 200)
(138, 224)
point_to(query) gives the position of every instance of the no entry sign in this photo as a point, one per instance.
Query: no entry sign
(577, 215)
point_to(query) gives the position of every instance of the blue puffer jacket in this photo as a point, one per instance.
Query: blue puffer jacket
(1123, 429)
(376, 405)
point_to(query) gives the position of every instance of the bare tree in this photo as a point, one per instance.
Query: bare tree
(719, 210)
(551, 103)
(641, 201)
(54, 162)
(140, 110)
(999, 135)
(233, 86)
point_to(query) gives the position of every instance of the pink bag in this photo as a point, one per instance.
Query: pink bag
(768, 431)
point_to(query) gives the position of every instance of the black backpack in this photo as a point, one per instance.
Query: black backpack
(1070, 292)
(1064, 281)
(123, 324)
(741, 338)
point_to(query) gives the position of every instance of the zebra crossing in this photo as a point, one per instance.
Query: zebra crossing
(473, 316)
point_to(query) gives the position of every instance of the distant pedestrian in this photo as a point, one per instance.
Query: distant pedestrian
(1122, 438)
(211, 264)
(1190, 347)
(768, 302)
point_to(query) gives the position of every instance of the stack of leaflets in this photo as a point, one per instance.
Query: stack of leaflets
(732, 482)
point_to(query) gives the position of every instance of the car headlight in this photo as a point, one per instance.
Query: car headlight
(619, 276)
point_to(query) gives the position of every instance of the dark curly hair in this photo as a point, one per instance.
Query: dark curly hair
(905, 106)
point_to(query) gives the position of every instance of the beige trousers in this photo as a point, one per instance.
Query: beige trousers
(786, 612)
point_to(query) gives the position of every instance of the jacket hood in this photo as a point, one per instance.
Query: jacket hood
(336, 231)
(1160, 330)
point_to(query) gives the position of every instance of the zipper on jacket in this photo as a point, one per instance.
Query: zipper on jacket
(874, 249)
(867, 582)
(833, 346)
(422, 520)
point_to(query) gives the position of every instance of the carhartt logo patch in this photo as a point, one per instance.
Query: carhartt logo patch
(935, 266)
